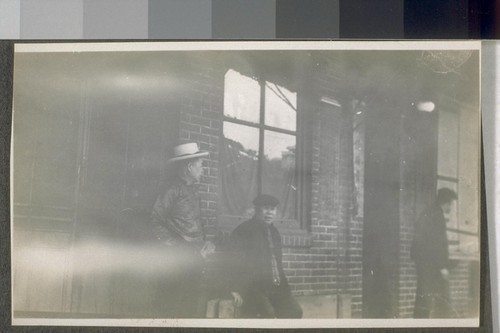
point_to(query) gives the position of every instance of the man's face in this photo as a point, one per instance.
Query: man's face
(266, 213)
(447, 207)
(195, 169)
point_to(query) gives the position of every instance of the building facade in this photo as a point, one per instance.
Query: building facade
(336, 135)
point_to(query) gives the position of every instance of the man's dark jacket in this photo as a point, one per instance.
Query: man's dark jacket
(251, 257)
(430, 253)
(430, 245)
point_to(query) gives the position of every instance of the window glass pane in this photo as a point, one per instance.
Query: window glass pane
(358, 157)
(278, 171)
(281, 106)
(238, 169)
(448, 144)
(241, 97)
(468, 244)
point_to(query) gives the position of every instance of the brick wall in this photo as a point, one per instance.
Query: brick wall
(407, 210)
(460, 292)
(332, 264)
(321, 258)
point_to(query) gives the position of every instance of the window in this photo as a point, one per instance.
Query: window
(448, 168)
(258, 148)
(462, 222)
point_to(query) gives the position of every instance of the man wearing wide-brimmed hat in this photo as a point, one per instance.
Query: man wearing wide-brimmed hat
(177, 225)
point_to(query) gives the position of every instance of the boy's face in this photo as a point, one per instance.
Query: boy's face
(266, 213)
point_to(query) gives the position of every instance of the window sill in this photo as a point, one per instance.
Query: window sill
(462, 256)
(295, 237)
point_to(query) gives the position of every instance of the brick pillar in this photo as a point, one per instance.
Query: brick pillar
(381, 209)
(201, 122)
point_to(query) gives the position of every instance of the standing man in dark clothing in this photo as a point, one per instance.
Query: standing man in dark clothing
(260, 285)
(176, 224)
(430, 253)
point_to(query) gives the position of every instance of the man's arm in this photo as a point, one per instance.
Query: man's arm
(207, 249)
(442, 255)
(445, 273)
(436, 243)
(159, 219)
(237, 299)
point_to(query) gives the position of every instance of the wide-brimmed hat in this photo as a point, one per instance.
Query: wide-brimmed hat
(187, 151)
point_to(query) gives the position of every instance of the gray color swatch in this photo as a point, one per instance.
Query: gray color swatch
(180, 19)
(307, 19)
(51, 19)
(244, 19)
(372, 19)
(115, 19)
(10, 19)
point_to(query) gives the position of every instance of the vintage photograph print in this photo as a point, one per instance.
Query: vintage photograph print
(246, 184)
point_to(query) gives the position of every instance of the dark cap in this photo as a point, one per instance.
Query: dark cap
(445, 195)
(266, 200)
